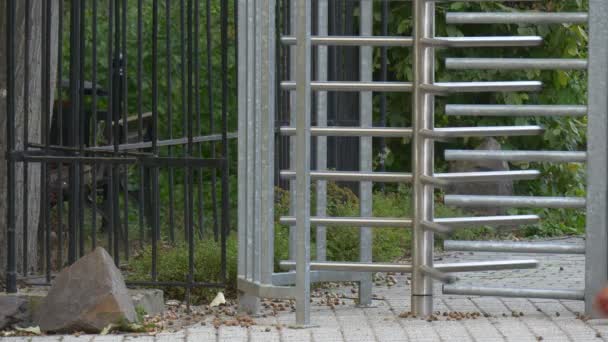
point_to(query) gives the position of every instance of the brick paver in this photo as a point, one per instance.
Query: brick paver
(500, 319)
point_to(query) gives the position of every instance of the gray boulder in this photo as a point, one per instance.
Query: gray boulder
(502, 188)
(13, 311)
(87, 296)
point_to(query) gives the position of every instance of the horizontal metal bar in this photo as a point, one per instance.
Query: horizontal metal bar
(384, 132)
(466, 290)
(517, 156)
(436, 227)
(515, 110)
(438, 275)
(353, 40)
(513, 247)
(453, 177)
(451, 222)
(515, 63)
(515, 18)
(175, 284)
(265, 291)
(493, 41)
(482, 131)
(477, 87)
(481, 221)
(514, 201)
(289, 278)
(488, 176)
(352, 86)
(36, 158)
(353, 221)
(476, 266)
(184, 162)
(434, 181)
(493, 265)
(353, 176)
(164, 143)
(88, 150)
(350, 266)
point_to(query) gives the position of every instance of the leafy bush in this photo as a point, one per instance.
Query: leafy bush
(559, 87)
(172, 265)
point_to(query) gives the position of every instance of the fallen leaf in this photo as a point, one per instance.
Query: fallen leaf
(218, 300)
(32, 330)
(107, 329)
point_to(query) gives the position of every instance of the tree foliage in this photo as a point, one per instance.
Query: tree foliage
(559, 87)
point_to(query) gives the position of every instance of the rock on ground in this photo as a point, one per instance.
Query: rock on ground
(87, 296)
(502, 188)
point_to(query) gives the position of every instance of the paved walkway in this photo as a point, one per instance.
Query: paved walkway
(488, 318)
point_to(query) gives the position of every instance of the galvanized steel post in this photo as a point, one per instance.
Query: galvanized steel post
(596, 272)
(321, 66)
(365, 149)
(302, 163)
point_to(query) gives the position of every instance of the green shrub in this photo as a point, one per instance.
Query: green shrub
(172, 265)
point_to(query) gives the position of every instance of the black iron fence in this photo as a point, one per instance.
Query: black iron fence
(119, 137)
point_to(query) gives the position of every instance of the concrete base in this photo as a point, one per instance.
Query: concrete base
(249, 304)
(152, 301)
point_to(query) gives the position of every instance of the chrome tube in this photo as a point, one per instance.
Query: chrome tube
(515, 63)
(517, 156)
(481, 131)
(511, 292)
(513, 247)
(354, 176)
(352, 86)
(353, 41)
(537, 18)
(385, 132)
(515, 201)
(515, 110)
(444, 88)
(493, 41)
(353, 221)
(423, 105)
(438, 275)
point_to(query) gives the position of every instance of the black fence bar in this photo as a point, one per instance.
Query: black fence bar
(11, 267)
(26, 127)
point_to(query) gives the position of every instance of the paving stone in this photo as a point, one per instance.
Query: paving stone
(382, 322)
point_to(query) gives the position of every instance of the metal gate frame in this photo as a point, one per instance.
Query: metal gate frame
(257, 91)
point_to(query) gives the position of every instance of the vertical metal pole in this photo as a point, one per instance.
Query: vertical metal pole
(11, 267)
(292, 120)
(383, 77)
(46, 124)
(75, 111)
(257, 142)
(302, 155)
(423, 108)
(169, 56)
(596, 267)
(243, 90)
(26, 130)
(267, 100)
(155, 193)
(365, 149)
(322, 55)
(251, 9)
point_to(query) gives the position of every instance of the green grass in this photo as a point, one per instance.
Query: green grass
(389, 244)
